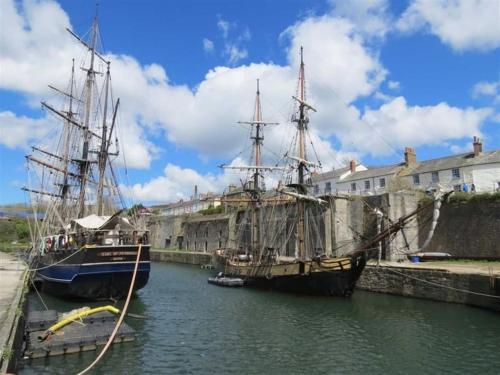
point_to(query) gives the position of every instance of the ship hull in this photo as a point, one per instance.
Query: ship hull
(299, 278)
(93, 273)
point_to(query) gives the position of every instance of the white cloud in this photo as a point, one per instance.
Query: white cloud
(400, 125)
(491, 89)
(224, 27)
(178, 183)
(371, 17)
(208, 45)
(20, 131)
(393, 85)
(234, 53)
(458, 149)
(339, 71)
(233, 50)
(462, 24)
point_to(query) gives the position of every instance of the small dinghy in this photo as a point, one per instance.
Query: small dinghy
(221, 280)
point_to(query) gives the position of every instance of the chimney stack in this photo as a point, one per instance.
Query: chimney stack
(478, 146)
(410, 156)
(352, 166)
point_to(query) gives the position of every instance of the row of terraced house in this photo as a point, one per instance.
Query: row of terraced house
(475, 171)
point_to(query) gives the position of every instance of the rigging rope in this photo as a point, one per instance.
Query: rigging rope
(122, 316)
(53, 264)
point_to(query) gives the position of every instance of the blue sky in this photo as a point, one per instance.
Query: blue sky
(383, 75)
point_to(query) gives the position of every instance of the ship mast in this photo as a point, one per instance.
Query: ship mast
(70, 114)
(254, 190)
(103, 154)
(85, 161)
(302, 122)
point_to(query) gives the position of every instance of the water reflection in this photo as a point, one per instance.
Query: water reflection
(196, 328)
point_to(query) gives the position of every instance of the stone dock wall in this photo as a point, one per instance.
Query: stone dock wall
(468, 229)
(420, 283)
(13, 308)
(186, 257)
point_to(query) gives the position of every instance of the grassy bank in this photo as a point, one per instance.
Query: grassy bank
(14, 234)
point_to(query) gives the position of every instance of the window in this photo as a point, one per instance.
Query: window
(367, 185)
(381, 182)
(435, 176)
(457, 187)
(316, 189)
(455, 173)
(416, 179)
(328, 187)
(353, 186)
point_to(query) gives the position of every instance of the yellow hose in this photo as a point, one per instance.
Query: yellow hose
(76, 316)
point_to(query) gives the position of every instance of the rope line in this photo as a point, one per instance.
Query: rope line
(53, 264)
(120, 320)
(443, 286)
(39, 296)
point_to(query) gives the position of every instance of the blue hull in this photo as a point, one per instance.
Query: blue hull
(93, 273)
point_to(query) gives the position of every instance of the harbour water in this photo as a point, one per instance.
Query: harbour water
(192, 327)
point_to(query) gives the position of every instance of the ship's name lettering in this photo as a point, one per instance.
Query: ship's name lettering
(116, 253)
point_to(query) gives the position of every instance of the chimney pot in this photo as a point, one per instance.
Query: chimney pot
(352, 166)
(410, 156)
(478, 146)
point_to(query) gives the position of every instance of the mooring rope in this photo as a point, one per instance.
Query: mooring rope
(122, 316)
(38, 293)
(441, 285)
(53, 264)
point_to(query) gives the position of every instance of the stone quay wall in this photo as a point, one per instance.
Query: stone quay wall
(186, 257)
(465, 230)
(468, 229)
(410, 282)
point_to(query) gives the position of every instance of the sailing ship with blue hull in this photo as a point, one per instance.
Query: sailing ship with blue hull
(87, 244)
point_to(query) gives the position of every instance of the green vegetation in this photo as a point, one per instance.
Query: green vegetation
(212, 210)
(14, 234)
(461, 197)
(7, 353)
(135, 209)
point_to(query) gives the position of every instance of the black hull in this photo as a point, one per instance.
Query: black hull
(331, 283)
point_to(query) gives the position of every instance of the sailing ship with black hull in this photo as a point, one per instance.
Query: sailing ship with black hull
(279, 242)
(87, 244)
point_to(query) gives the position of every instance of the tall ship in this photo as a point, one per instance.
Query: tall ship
(279, 241)
(87, 244)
